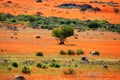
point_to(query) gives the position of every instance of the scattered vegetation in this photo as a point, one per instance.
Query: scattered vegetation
(55, 64)
(110, 3)
(35, 21)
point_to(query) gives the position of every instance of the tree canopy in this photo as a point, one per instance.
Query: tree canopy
(62, 33)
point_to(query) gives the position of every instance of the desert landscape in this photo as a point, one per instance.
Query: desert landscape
(31, 32)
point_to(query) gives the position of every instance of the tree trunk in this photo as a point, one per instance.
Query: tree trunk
(61, 42)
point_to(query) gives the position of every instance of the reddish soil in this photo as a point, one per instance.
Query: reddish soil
(81, 76)
(48, 8)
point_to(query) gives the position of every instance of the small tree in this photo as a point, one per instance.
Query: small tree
(62, 33)
(83, 9)
(116, 10)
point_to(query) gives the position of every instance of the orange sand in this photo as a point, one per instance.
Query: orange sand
(108, 43)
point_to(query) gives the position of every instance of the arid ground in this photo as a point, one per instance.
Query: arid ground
(22, 45)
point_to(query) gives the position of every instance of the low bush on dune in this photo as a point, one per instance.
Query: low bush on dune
(45, 67)
(71, 52)
(39, 65)
(95, 53)
(55, 65)
(62, 52)
(39, 54)
(15, 64)
(79, 52)
(26, 70)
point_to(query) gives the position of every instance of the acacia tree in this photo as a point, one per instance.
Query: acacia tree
(62, 33)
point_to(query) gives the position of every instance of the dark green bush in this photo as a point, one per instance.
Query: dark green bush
(78, 52)
(26, 70)
(9, 68)
(45, 67)
(71, 52)
(95, 24)
(39, 54)
(39, 65)
(62, 52)
(15, 64)
(95, 53)
(56, 65)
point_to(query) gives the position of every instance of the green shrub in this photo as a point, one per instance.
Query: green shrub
(9, 68)
(26, 70)
(45, 67)
(71, 52)
(39, 65)
(53, 60)
(95, 53)
(94, 24)
(78, 52)
(63, 52)
(56, 65)
(15, 64)
(70, 71)
(39, 54)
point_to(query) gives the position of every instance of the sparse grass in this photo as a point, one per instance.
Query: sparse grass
(60, 64)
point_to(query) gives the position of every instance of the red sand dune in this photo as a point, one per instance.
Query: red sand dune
(47, 8)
